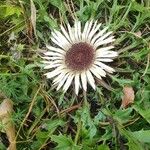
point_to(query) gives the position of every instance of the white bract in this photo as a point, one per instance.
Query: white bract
(79, 55)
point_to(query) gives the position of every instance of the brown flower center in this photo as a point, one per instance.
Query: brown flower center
(80, 56)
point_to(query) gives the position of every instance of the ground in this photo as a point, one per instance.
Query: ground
(116, 116)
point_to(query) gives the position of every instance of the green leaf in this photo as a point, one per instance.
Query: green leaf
(64, 142)
(59, 4)
(142, 136)
(42, 136)
(144, 113)
(50, 126)
(123, 115)
(122, 82)
(99, 117)
(103, 147)
(133, 143)
(2, 146)
(8, 10)
(50, 21)
(139, 7)
(88, 127)
(140, 54)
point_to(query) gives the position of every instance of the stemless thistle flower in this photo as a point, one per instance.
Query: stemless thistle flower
(79, 55)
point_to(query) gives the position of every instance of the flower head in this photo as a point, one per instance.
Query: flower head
(79, 55)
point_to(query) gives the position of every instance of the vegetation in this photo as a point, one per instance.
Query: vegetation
(48, 119)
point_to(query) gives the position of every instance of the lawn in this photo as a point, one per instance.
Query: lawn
(36, 116)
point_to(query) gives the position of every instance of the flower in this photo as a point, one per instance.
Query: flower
(79, 55)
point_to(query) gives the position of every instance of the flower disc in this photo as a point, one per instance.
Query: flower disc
(79, 57)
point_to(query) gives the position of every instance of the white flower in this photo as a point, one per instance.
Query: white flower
(78, 56)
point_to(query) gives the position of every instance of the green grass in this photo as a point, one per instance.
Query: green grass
(48, 119)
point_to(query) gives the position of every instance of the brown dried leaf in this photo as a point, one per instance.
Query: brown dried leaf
(33, 16)
(138, 34)
(6, 108)
(128, 97)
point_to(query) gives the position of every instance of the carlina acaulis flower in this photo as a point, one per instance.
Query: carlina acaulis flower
(78, 56)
